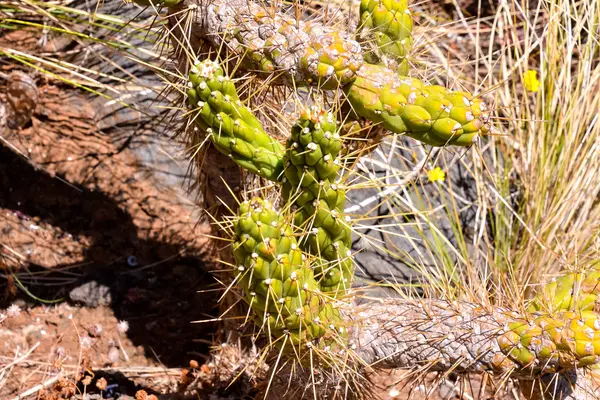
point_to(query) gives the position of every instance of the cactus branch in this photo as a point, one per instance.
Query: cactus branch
(386, 28)
(266, 40)
(277, 280)
(466, 337)
(232, 127)
(312, 186)
(430, 114)
(296, 52)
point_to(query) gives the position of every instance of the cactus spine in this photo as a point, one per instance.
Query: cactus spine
(318, 198)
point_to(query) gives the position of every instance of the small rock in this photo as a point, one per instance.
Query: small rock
(113, 355)
(95, 330)
(446, 389)
(92, 294)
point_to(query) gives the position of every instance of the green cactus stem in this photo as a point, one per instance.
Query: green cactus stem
(278, 282)
(570, 292)
(386, 28)
(233, 129)
(430, 114)
(312, 185)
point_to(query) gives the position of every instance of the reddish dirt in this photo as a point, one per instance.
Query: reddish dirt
(86, 228)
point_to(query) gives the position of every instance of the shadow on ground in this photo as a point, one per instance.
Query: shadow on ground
(159, 299)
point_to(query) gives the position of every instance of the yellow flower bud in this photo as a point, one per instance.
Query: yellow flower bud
(531, 81)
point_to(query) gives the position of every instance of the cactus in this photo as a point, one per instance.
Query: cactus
(318, 198)
(430, 114)
(232, 127)
(570, 292)
(558, 332)
(308, 53)
(278, 283)
(386, 25)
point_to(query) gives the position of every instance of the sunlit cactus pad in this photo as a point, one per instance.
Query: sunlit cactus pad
(300, 53)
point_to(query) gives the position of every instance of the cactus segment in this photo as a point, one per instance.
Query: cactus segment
(311, 175)
(570, 292)
(430, 114)
(553, 343)
(232, 127)
(278, 283)
(331, 60)
(296, 51)
(386, 27)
